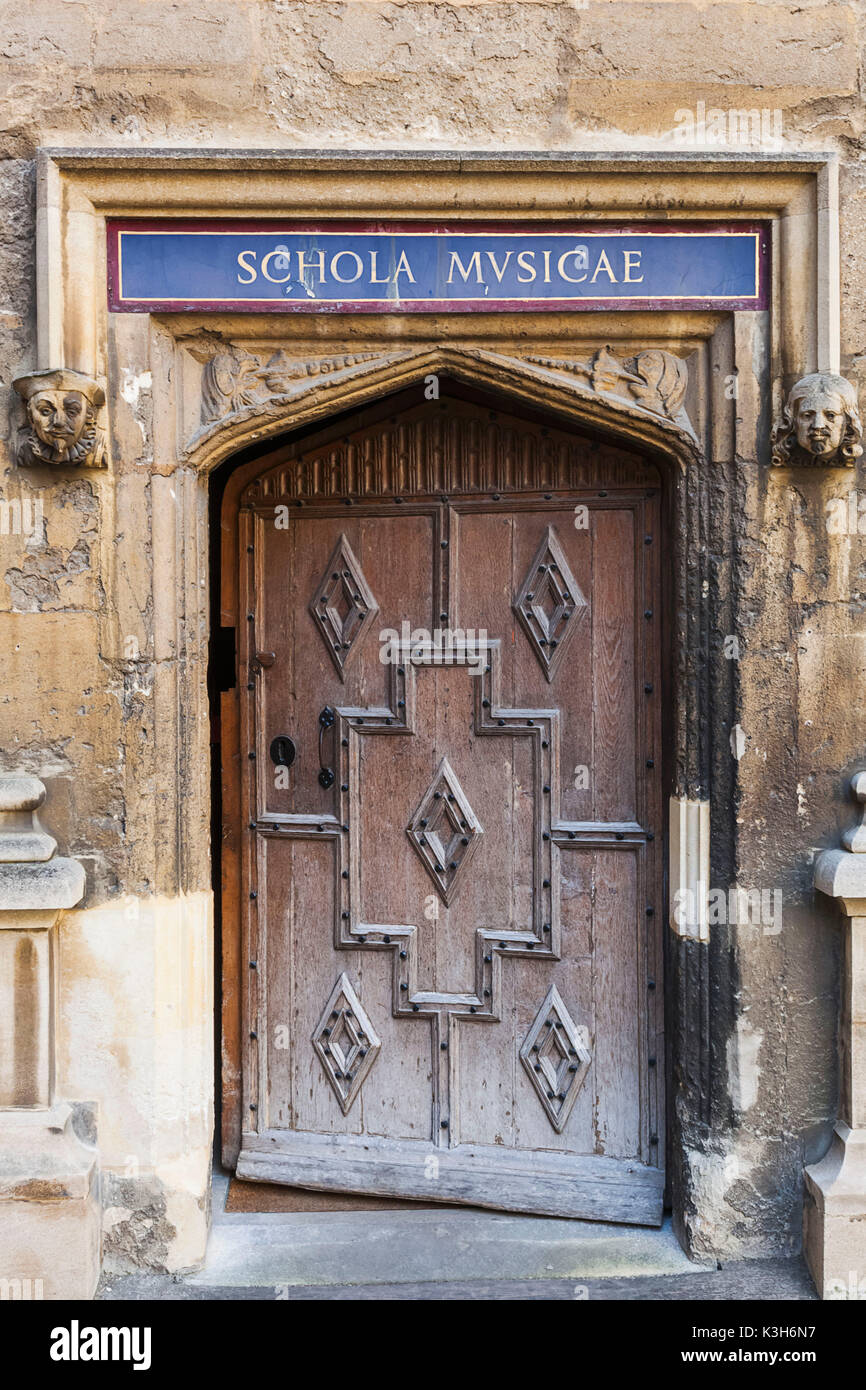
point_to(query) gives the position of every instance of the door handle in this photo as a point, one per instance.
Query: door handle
(326, 721)
(261, 662)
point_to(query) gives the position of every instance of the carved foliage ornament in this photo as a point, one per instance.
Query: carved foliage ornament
(62, 423)
(235, 380)
(820, 424)
(654, 379)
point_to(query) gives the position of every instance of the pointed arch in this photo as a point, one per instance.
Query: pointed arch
(604, 395)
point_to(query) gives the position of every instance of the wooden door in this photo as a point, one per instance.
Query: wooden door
(449, 969)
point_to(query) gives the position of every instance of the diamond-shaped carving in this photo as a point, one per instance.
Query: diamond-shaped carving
(445, 831)
(557, 1058)
(343, 606)
(550, 603)
(346, 1042)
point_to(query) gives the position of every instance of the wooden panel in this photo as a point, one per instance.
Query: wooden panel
(395, 885)
(619, 1009)
(302, 678)
(593, 1189)
(444, 447)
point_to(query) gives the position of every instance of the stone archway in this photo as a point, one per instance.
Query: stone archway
(256, 412)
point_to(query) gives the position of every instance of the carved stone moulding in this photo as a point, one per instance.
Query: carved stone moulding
(236, 382)
(819, 425)
(655, 379)
(63, 420)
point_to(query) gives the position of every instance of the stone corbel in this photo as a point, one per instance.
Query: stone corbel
(835, 1211)
(820, 424)
(49, 1209)
(62, 425)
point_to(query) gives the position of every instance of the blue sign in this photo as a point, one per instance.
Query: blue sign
(171, 266)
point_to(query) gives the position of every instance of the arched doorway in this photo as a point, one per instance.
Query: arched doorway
(442, 886)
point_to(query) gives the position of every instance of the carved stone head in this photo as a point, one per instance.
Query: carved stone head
(820, 423)
(61, 426)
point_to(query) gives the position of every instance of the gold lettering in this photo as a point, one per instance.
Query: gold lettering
(274, 279)
(346, 279)
(244, 265)
(574, 279)
(603, 264)
(374, 279)
(523, 257)
(403, 268)
(465, 271)
(628, 278)
(491, 256)
(303, 267)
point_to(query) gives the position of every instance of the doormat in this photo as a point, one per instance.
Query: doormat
(274, 1197)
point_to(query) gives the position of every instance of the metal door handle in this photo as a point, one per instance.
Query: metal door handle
(326, 721)
(262, 661)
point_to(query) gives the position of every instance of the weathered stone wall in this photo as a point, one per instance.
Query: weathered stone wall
(274, 74)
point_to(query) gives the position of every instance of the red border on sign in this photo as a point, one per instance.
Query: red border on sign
(428, 306)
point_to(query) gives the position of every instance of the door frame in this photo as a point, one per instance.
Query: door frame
(699, 510)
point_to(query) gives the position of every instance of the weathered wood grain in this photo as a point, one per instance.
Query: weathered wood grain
(589, 1188)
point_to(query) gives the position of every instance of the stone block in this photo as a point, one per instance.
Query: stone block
(834, 1218)
(50, 1217)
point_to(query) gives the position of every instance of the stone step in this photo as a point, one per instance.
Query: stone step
(406, 1247)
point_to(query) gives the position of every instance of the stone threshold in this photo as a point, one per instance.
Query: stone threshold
(448, 1254)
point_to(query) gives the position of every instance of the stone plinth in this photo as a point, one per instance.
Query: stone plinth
(835, 1212)
(49, 1208)
(50, 1215)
